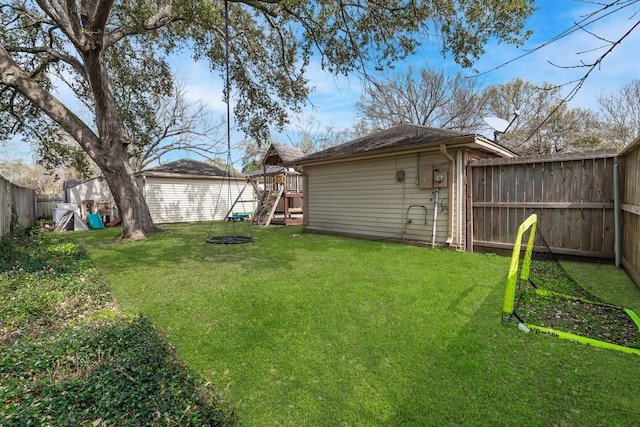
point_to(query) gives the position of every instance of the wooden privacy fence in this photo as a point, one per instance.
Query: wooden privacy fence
(630, 208)
(572, 194)
(46, 205)
(17, 205)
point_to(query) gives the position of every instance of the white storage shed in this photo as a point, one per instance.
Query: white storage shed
(190, 191)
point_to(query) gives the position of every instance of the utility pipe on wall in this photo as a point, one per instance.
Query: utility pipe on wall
(305, 197)
(459, 197)
(436, 190)
(443, 151)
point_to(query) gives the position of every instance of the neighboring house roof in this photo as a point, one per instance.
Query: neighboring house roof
(190, 169)
(399, 137)
(278, 154)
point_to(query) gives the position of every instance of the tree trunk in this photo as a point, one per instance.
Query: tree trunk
(113, 157)
(109, 150)
(136, 218)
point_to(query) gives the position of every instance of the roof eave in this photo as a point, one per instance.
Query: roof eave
(494, 147)
(186, 176)
(477, 141)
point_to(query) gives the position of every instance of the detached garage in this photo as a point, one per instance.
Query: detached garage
(404, 183)
(189, 191)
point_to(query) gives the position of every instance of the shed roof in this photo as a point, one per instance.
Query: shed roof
(71, 183)
(398, 137)
(189, 168)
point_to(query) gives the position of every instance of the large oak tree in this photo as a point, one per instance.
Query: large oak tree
(94, 46)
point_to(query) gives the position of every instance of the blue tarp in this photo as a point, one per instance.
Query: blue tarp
(94, 220)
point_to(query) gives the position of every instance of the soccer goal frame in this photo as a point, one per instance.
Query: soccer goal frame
(519, 271)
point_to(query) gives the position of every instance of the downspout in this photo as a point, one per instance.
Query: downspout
(305, 195)
(616, 213)
(443, 151)
(459, 197)
(436, 192)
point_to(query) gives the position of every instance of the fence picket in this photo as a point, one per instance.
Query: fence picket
(572, 194)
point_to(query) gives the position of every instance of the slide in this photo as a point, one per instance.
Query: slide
(94, 220)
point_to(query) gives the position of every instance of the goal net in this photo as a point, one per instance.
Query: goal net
(543, 298)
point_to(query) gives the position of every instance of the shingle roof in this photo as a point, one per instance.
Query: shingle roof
(271, 170)
(188, 167)
(398, 136)
(279, 153)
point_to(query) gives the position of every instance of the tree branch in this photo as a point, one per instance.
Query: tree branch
(162, 18)
(581, 81)
(54, 56)
(63, 21)
(11, 75)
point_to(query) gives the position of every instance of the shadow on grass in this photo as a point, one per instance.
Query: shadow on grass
(301, 328)
(187, 242)
(490, 374)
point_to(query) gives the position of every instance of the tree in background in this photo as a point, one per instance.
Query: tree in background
(95, 45)
(430, 98)
(619, 118)
(564, 129)
(168, 124)
(309, 135)
(61, 152)
(252, 155)
(621, 114)
(37, 177)
(544, 123)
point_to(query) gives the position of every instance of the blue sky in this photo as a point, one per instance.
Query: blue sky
(333, 102)
(335, 99)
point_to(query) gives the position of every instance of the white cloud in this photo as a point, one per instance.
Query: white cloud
(333, 99)
(201, 84)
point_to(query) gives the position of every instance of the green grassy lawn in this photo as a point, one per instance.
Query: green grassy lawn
(304, 329)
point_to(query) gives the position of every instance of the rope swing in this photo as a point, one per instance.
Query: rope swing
(227, 239)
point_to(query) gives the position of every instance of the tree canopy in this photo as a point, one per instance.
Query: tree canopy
(543, 123)
(68, 66)
(540, 122)
(431, 98)
(621, 113)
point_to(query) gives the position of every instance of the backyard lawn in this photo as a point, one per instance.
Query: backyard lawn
(304, 329)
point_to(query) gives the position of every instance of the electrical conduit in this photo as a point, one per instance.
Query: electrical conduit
(443, 151)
